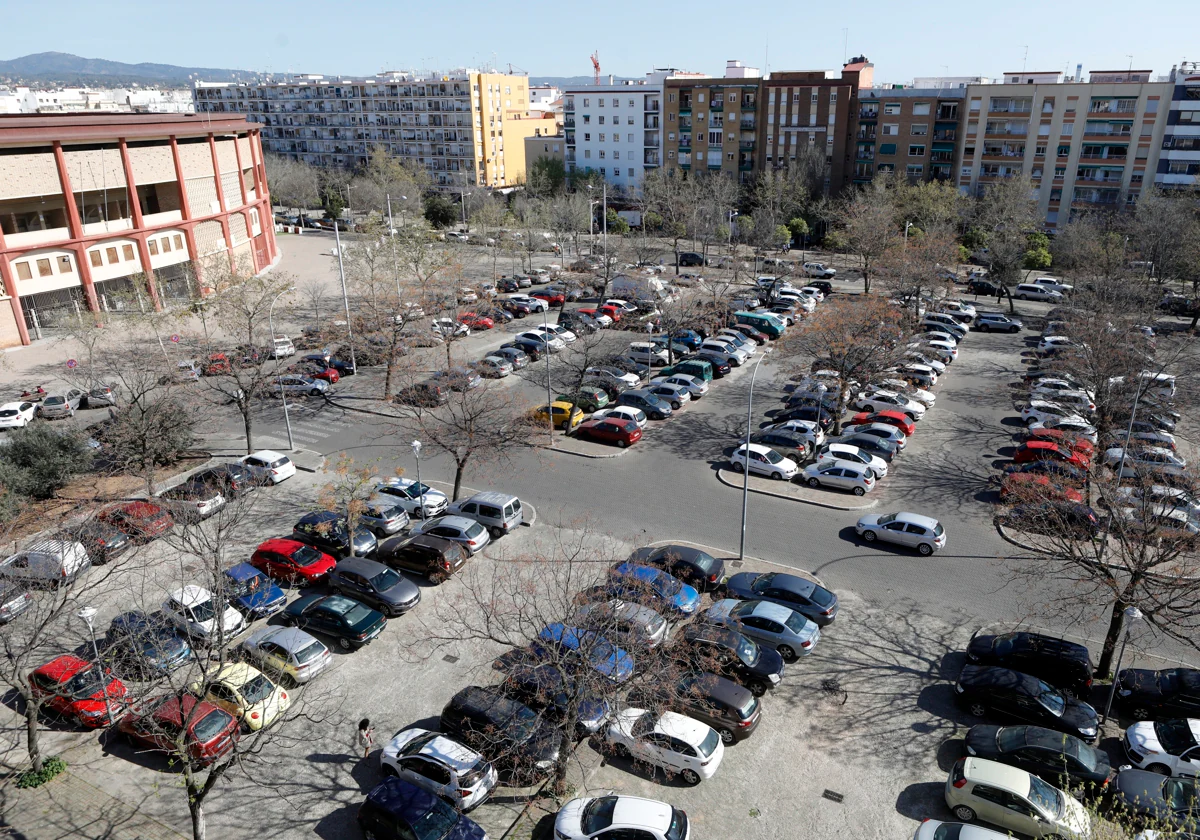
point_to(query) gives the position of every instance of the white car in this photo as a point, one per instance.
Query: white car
(536, 304)
(1151, 459)
(419, 501)
(697, 388)
(269, 466)
(922, 374)
(675, 743)
(806, 303)
(551, 341)
(625, 412)
(848, 452)
(920, 358)
(947, 350)
(448, 328)
(1032, 291)
(1169, 747)
(924, 533)
(960, 310)
(614, 817)
(765, 461)
(938, 830)
(844, 475)
(1155, 438)
(1054, 342)
(1050, 387)
(560, 331)
(1054, 285)
(198, 614)
(441, 765)
(726, 353)
(647, 353)
(816, 269)
(466, 295)
(882, 400)
(1038, 411)
(813, 292)
(939, 335)
(1072, 423)
(807, 429)
(736, 339)
(904, 389)
(611, 374)
(1078, 401)
(625, 306)
(15, 415)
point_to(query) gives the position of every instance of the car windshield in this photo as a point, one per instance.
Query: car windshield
(1044, 796)
(948, 831)
(356, 613)
(1180, 794)
(1053, 702)
(598, 815)
(601, 651)
(257, 689)
(1175, 735)
(796, 622)
(306, 555)
(309, 653)
(435, 823)
(678, 829)
(763, 582)
(709, 743)
(772, 456)
(211, 725)
(85, 683)
(203, 611)
(747, 651)
(385, 580)
(667, 585)
(54, 401)
(886, 518)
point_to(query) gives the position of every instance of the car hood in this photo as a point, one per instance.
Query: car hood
(869, 519)
(1080, 716)
(403, 592)
(769, 662)
(686, 599)
(1142, 737)
(466, 829)
(264, 596)
(570, 818)
(981, 741)
(739, 584)
(1140, 680)
(980, 647)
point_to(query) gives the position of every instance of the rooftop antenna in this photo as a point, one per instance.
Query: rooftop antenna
(1130, 63)
(596, 66)
(845, 45)
(1025, 60)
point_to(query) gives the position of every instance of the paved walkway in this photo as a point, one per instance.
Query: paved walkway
(69, 807)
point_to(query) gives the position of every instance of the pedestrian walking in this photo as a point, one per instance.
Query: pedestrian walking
(365, 737)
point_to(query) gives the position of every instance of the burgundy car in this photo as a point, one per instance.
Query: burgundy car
(211, 732)
(142, 521)
(79, 690)
(610, 430)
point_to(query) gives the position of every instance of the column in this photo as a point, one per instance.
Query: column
(189, 227)
(10, 287)
(76, 227)
(262, 190)
(135, 209)
(212, 148)
(237, 150)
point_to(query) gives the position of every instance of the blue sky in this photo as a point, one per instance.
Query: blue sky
(361, 37)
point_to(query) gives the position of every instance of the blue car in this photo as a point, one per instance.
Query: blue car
(252, 593)
(689, 338)
(396, 809)
(600, 654)
(144, 646)
(638, 583)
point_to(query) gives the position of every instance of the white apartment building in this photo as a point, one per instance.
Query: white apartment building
(25, 100)
(1179, 161)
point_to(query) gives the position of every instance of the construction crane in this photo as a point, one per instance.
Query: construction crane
(596, 65)
(511, 68)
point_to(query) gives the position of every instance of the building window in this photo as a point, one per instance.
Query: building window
(1151, 106)
(914, 170)
(891, 109)
(1063, 151)
(891, 129)
(670, 97)
(629, 137)
(23, 272)
(1068, 129)
(920, 129)
(714, 138)
(670, 118)
(671, 135)
(44, 268)
(64, 265)
(1060, 171)
(1040, 150)
(833, 96)
(166, 245)
(630, 173)
(587, 120)
(671, 155)
(587, 153)
(629, 121)
(887, 149)
(916, 151)
(966, 172)
(601, 154)
(616, 155)
(587, 137)
(920, 109)
(586, 103)
(111, 254)
(127, 252)
(601, 137)
(96, 258)
(1044, 129)
(975, 103)
(600, 103)
(601, 120)
(814, 96)
(153, 246)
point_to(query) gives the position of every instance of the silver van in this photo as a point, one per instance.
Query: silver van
(46, 563)
(500, 513)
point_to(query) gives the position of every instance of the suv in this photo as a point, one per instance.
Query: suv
(816, 269)
(723, 651)
(435, 558)
(500, 513)
(988, 321)
(1065, 665)
(690, 258)
(432, 761)
(1159, 695)
(1013, 799)
(981, 688)
(326, 530)
(511, 732)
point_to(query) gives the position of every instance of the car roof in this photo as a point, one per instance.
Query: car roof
(62, 668)
(397, 796)
(760, 448)
(242, 571)
(281, 545)
(359, 565)
(770, 610)
(267, 454)
(289, 638)
(492, 497)
(917, 519)
(191, 595)
(991, 676)
(460, 522)
(235, 672)
(795, 583)
(444, 750)
(996, 774)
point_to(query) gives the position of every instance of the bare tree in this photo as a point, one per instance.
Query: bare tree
(1165, 233)
(1003, 219)
(669, 201)
(293, 183)
(916, 268)
(866, 221)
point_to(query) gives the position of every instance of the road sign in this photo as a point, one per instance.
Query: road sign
(71, 363)
(175, 339)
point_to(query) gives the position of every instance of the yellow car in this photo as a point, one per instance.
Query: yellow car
(559, 410)
(247, 693)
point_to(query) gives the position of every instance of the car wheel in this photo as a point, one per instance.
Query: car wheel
(496, 532)
(1022, 296)
(676, 406)
(389, 770)
(738, 466)
(869, 536)
(925, 549)
(788, 654)
(758, 689)
(868, 408)
(344, 644)
(620, 751)
(1140, 713)
(726, 735)
(814, 483)
(1014, 329)
(690, 777)
(977, 709)
(777, 476)
(982, 328)
(964, 813)
(860, 491)
(622, 443)
(1160, 769)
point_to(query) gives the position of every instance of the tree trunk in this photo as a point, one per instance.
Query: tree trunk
(1115, 619)
(459, 468)
(199, 826)
(248, 422)
(32, 742)
(866, 275)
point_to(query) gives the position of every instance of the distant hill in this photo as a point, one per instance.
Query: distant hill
(55, 68)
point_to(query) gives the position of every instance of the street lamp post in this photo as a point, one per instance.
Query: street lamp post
(549, 399)
(746, 467)
(416, 448)
(462, 200)
(729, 228)
(345, 295)
(88, 614)
(282, 393)
(907, 225)
(1131, 615)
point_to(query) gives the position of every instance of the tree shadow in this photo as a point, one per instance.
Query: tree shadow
(643, 770)
(338, 824)
(921, 800)
(950, 751)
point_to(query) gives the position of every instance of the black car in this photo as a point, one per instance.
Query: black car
(425, 394)
(520, 308)
(1061, 759)
(102, 541)
(787, 444)
(638, 369)
(1053, 469)
(533, 349)
(350, 623)
(720, 650)
(880, 448)
(375, 585)
(724, 705)
(233, 479)
(720, 367)
(823, 417)
(433, 557)
(694, 567)
(1143, 795)
(654, 407)
(508, 285)
(578, 321)
(508, 733)
(824, 286)
(984, 287)
(1159, 695)
(343, 368)
(546, 687)
(1065, 665)
(810, 599)
(981, 688)
(397, 809)
(326, 530)
(690, 258)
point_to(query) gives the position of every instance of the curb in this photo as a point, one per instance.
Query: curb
(721, 476)
(616, 454)
(1003, 532)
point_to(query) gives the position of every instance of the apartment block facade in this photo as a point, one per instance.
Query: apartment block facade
(614, 130)
(1179, 162)
(712, 125)
(914, 132)
(465, 128)
(99, 210)
(1092, 145)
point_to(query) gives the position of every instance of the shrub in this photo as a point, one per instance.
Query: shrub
(42, 459)
(51, 767)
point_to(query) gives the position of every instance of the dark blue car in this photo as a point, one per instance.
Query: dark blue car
(689, 338)
(597, 651)
(142, 646)
(547, 687)
(399, 810)
(252, 593)
(642, 584)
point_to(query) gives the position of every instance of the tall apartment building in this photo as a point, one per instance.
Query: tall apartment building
(614, 129)
(465, 127)
(712, 124)
(1084, 145)
(908, 130)
(97, 208)
(1179, 161)
(814, 112)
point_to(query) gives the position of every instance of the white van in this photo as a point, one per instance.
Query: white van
(49, 562)
(283, 347)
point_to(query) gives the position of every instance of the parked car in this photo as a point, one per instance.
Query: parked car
(140, 521)
(642, 399)
(671, 742)
(653, 587)
(508, 733)
(781, 628)
(420, 500)
(292, 561)
(1065, 665)
(872, 443)
(630, 625)
(763, 460)
(1031, 487)
(46, 563)
(246, 693)
(996, 322)
(836, 451)
(397, 809)
(459, 378)
(1149, 797)
(615, 817)
(328, 531)
(550, 690)
(80, 691)
(675, 396)
(693, 566)
(806, 597)
(732, 710)
(15, 599)
(984, 688)
(193, 500)
(16, 415)
(143, 646)
(842, 474)
(58, 406)
(1169, 747)
(912, 530)
(586, 647)
(348, 622)
(434, 558)
(442, 766)
(610, 430)
(468, 533)
(889, 417)
(287, 653)
(1056, 757)
(1032, 291)
(231, 479)
(251, 592)
(724, 650)
(1014, 799)
(425, 394)
(201, 615)
(155, 724)
(268, 466)
(1045, 450)
(1159, 695)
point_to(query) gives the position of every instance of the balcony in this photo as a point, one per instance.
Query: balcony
(650, 158)
(863, 134)
(718, 104)
(945, 134)
(1099, 129)
(569, 122)
(652, 106)
(868, 114)
(747, 124)
(941, 157)
(1113, 106)
(947, 112)
(747, 102)
(651, 121)
(650, 138)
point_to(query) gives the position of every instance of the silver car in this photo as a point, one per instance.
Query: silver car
(775, 625)
(624, 623)
(384, 515)
(466, 532)
(66, 404)
(293, 384)
(494, 367)
(287, 651)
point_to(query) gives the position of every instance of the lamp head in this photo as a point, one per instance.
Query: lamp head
(416, 448)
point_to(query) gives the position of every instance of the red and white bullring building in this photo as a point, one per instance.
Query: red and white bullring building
(92, 204)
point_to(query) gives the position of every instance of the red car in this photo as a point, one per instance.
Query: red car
(476, 322)
(1045, 450)
(591, 313)
(1025, 487)
(216, 364)
(611, 430)
(142, 521)
(74, 688)
(1076, 444)
(211, 731)
(292, 561)
(552, 297)
(611, 311)
(892, 418)
(317, 371)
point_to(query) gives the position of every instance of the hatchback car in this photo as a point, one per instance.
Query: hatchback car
(618, 817)
(419, 500)
(727, 707)
(374, 584)
(156, 724)
(57, 406)
(17, 415)
(810, 599)
(468, 533)
(652, 586)
(1060, 759)
(623, 433)
(888, 417)
(584, 647)
(781, 628)
(556, 413)
(715, 646)
(251, 592)
(912, 530)
(983, 688)
(1013, 799)
(397, 809)
(328, 531)
(1149, 797)
(837, 451)
(1159, 695)
(201, 615)
(287, 653)
(141, 521)
(671, 742)
(78, 690)
(630, 625)
(695, 387)
(269, 467)
(1065, 665)
(558, 694)
(350, 623)
(844, 475)
(292, 561)
(442, 766)
(505, 731)
(763, 460)
(246, 693)
(655, 407)
(693, 566)
(1168, 747)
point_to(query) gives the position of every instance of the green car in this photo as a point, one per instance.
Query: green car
(587, 399)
